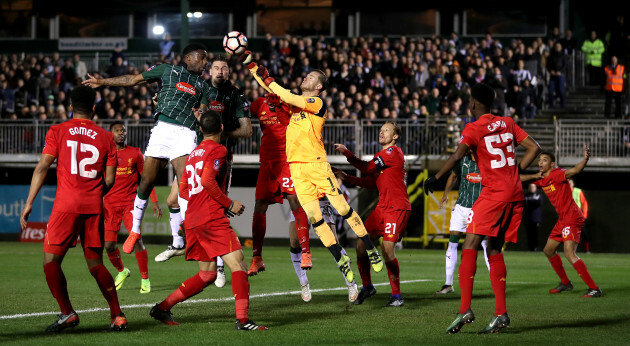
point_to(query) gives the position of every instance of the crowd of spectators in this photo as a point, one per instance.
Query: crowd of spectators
(415, 78)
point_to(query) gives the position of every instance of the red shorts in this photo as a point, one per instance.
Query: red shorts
(205, 243)
(388, 223)
(567, 230)
(64, 229)
(495, 219)
(114, 215)
(274, 181)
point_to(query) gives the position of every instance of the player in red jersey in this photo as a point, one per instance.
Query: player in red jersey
(274, 181)
(498, 210)
(86, 157)
(119, 204)
(208, 231)
(568, 228)
(386, 172)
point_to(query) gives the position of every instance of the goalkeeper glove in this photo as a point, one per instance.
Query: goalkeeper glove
(247, 58)
(264, 75)
(429, 185)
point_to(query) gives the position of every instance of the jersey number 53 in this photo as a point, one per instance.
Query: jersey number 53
(504, 149)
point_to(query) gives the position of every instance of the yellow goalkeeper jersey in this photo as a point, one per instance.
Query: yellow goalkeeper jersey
(304, 133)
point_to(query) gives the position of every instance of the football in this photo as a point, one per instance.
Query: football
(235, 42)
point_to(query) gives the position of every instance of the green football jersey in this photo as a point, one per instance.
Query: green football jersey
(180, 92)
(469, 182)
(231, 104)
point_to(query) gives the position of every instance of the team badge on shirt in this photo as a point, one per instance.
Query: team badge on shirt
(217, 164)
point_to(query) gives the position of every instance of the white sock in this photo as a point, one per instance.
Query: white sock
(178, 241)
(175, 219)
(139, 206)
(220, 262)
(484, 245)
(296, 258)
(451, 262)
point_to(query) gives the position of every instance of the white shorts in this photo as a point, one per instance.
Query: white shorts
(459, 219)
(327, 212)
(170, 141)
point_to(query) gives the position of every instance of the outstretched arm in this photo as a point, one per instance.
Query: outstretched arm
(39, 175)
(450, 184)
(364, 166)
(124, 81)
(532, 149)
(580, 166)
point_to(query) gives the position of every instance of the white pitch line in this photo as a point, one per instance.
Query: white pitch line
(195, 301)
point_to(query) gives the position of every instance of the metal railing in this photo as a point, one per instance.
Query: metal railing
(420, 140)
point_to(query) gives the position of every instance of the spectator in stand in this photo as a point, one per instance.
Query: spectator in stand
(594, 49)
(615, 82)
(80, 68)
(167, 48)
(557, 66)
(569, 42)
(117, 68)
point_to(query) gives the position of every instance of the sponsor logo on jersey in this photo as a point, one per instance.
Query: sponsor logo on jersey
(187, 88)
(217, 106)
(473, 177)
(548, 189)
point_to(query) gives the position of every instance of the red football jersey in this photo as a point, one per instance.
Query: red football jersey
(203, 206)
(493, 139)
(82, 149)
(558, 191)
(388, 168)
(130, 163)
(274, 129)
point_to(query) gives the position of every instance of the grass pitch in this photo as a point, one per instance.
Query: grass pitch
(27, 307)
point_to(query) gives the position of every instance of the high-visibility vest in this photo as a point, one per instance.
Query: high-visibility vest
(614, 78)
(593, 51)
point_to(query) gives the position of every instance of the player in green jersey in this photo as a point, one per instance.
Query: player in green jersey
(467, 172)
(174, 136)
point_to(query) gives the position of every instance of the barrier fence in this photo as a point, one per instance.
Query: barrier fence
(609, 140)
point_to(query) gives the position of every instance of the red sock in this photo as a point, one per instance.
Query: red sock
(240, 289)
(114, 257)
(467, 270)
(556, 263)
(393, 272)
(191, 287)
(58, 286)
(106, 284)
(498, 274)
(143, 263)
(301, 226)
(580, 267)
(259, 228)
(363, 262)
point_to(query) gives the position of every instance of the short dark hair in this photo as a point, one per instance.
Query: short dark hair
(550, 154)
(117, 122)
(210, 122)
(220, 57)
(397, 128)
(323, 79)
(82, 99)
(483, 93)
(193, 47)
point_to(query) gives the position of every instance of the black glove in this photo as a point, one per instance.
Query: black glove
(429, 185)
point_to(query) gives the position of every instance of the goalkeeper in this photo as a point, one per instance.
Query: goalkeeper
(312, 176)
